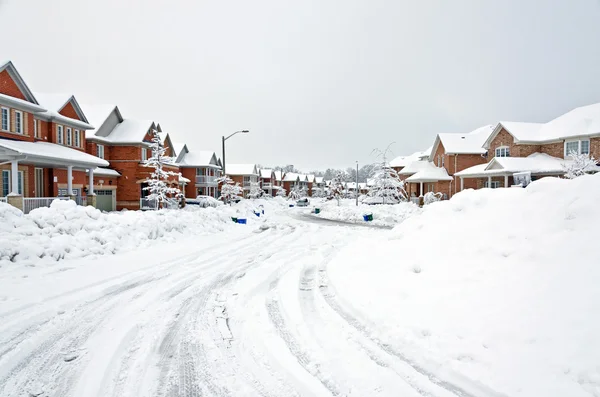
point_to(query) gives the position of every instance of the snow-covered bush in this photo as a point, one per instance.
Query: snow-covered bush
(387, 186)
(579, 165)
(431, 197)
(295, 193)
(336, 187)
(281, 192)
(255, 191)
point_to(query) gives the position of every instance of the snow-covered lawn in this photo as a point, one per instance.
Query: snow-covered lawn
(67, 231)
(495, 291)
(347, 211)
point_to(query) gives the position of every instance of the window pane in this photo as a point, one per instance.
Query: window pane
(571, 147)
(5, 183)
(585, 147)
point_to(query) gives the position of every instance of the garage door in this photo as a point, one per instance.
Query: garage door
(104, 200)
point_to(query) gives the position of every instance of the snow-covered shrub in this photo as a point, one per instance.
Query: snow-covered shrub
(229, 191)
(579, 165)
(160, 190)
(255, 191)
(336, 187)
(387, 185)
(431, 197)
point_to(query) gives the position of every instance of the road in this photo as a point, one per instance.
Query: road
(248, 314)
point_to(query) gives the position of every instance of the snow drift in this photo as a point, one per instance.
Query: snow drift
(347, 211)
(494, 287)
(67, 231)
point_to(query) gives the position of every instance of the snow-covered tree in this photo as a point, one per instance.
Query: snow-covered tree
(255, 190)
(295, 193)
(281, 192)
(336, 187)
(230, 191)
(319, 191)
(580, 165)
(160, 190)
(387, 185)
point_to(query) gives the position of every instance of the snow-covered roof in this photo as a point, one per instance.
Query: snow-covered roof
(413, 167)
(579, 122)
(55, 102)
(183, 179)
(310, 178)
(429, 173)
(471, 143)
(536, 163)
(178, 148)
(403, 161)
(265, 172)
(350, 185)
(318, 179)
(129, 131)
(202, 158)
(278, 175)
(291, 177)
(45, 151)
(105, 172)
(30, 102)
(241, 169)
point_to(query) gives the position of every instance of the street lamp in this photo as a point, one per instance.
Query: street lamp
(226, 138)
(356, 183)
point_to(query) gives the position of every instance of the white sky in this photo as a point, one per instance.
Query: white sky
(319, 83)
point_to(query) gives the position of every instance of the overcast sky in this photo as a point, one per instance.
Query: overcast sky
(319, 83)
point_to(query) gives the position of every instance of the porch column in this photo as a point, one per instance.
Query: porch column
(489, 182)
(14, 173)
(70, 180)
(505, 180)
(421, 186)
(91, 188)
(462, 183)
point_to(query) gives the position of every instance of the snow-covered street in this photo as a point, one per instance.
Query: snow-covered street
(243, 313)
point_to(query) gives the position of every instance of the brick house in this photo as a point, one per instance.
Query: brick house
(244, 174)
(451, 153)
(202, 168)
(290, 181)
(42, 145)
(535, 150)
(125, 144)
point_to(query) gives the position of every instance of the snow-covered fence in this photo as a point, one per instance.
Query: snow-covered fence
(31, 203)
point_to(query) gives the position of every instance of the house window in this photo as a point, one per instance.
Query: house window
(144, 154)
(100, 151)
(76, 136)
(438, 160)
(18, 122)
(579, 147)
(495, 184)
(59, 134)
(5, 119)
(430, 187)
(6, 183)
(503, 151)
(443, 161)
(36, 131)
(69, 137)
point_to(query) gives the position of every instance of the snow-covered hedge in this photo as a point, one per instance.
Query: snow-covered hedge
(67, 231)
(500, 286)
(347, 211)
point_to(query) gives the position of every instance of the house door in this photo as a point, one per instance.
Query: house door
(39, 182)
(104, 200)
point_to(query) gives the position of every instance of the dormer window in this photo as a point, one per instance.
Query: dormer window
(503, 151)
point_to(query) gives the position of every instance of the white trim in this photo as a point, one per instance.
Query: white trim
(7, 118)
(578, 150)
(19, 124)
(100, 151)
(504, 148)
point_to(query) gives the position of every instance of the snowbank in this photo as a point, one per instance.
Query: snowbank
(494, 287)
(347, 211)
(67, 231)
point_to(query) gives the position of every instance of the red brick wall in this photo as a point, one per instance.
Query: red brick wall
(69, 111)
(79, 179)
(9, 87)
(505, 139)
(595, 147)
(190, 188)
(554, 149)
(441, 152)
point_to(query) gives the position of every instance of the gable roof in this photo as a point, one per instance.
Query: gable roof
(278, 175)
(310, 178)
(519, 131)
(413, 167)
(471, 143)
(241, 169)
(291, 177)
(201, 158)
(129, 131)
(10, 68)
(403, 161)
(98, 114)
(429, 173)
(54, 103)
(52, 153)
(179, 148)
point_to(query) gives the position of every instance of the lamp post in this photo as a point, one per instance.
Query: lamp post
(224, 138)
(357, 183)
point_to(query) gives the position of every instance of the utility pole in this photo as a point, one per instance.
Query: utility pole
(223, 143)
(357, 183)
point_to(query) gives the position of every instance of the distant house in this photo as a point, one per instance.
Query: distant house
(400, 162)
(290, 181)
(267, 180)
(201, 168)
(244, 174)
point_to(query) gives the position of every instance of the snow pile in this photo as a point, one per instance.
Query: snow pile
(494, 288)
(67, 231)
(347, 211)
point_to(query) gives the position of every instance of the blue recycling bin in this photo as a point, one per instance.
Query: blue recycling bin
(368, 217)
(241, 221)
(257, 214)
